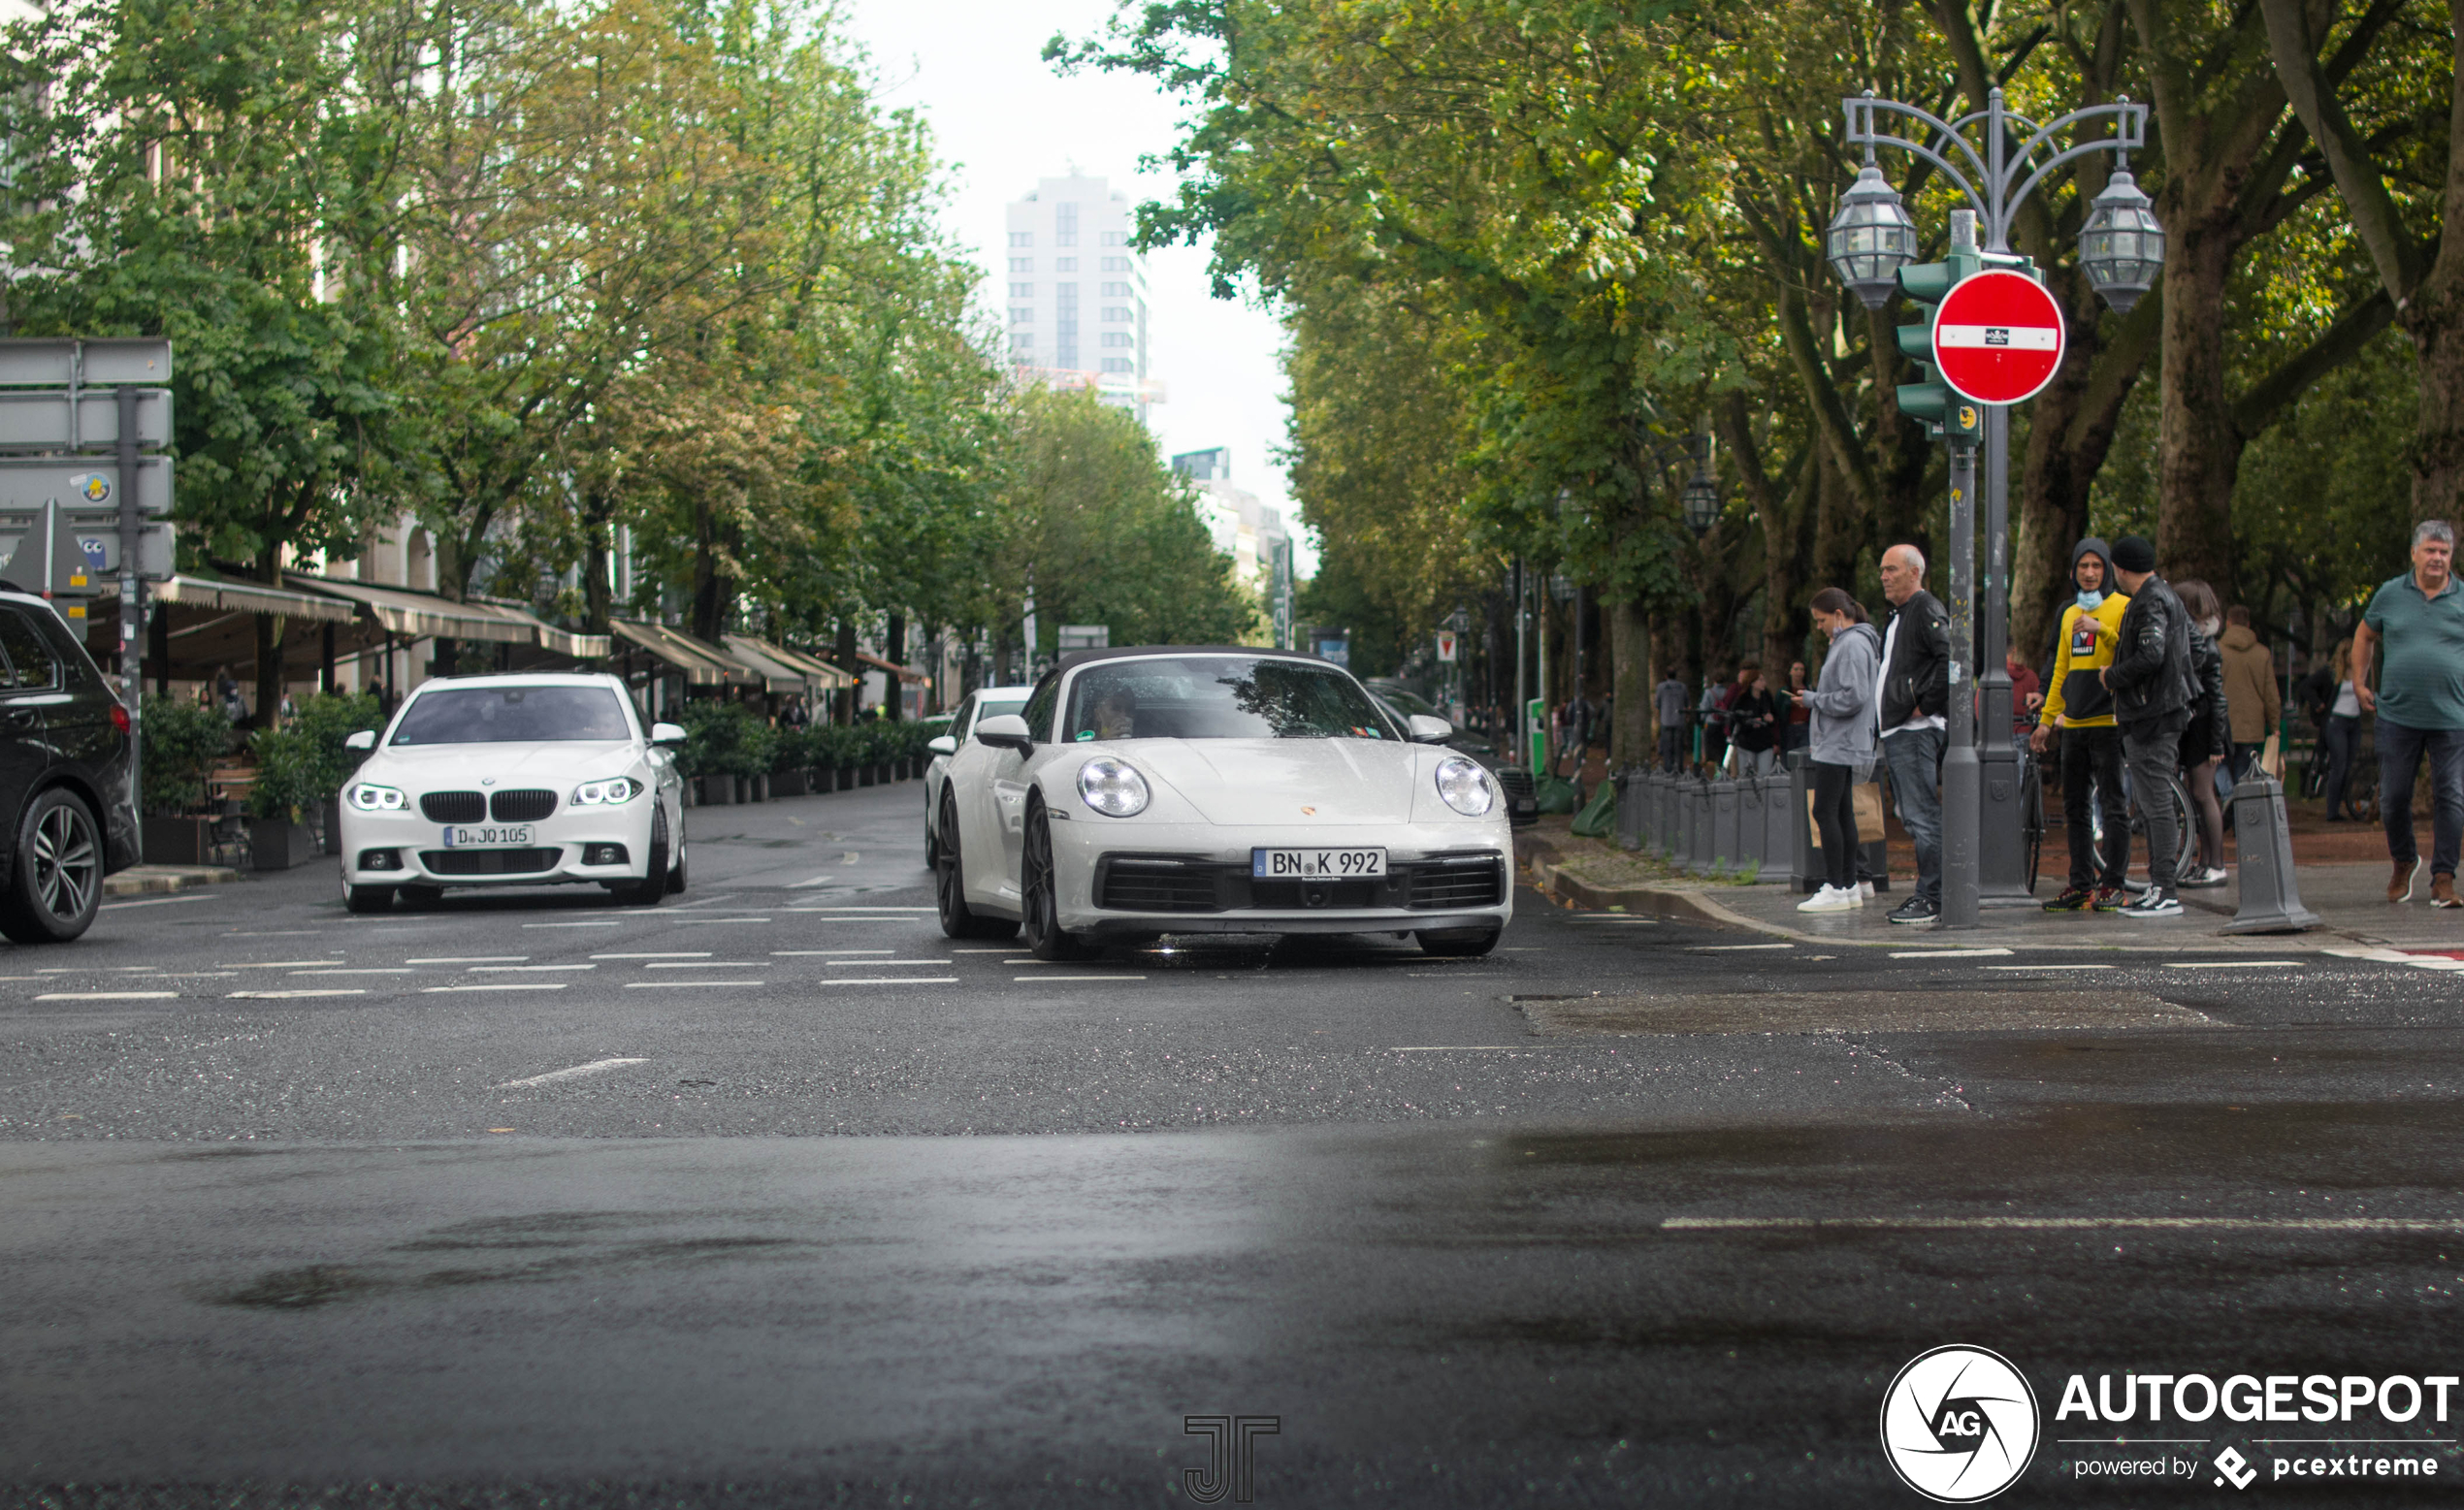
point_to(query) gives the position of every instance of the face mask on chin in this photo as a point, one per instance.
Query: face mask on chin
(2089, 597)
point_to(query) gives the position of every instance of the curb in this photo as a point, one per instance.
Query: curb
(150, 879)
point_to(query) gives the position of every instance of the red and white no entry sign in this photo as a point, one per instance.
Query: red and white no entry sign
(1998, 337)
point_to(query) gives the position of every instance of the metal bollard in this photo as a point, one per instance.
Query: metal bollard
(1752, 792)
(1681, 824)
(2264, 835)
(1727, 826)
(1665, 817)
(1804, 872)
(1629, 809)
(1780, 832)
(1700, 825)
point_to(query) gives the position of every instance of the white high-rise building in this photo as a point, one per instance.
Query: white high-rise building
(1077, 303)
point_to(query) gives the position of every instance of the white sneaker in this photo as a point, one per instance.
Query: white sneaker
(1831, 899)
(1865, 891)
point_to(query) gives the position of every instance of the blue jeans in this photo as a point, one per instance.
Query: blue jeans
(2400, 753)
(1914, 757)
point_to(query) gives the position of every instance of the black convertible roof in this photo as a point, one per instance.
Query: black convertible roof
(1080, 658)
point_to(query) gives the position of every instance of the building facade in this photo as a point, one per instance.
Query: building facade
(1077, 304)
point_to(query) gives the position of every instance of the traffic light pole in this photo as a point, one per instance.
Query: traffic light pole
(1960, 772)
(2002, 856)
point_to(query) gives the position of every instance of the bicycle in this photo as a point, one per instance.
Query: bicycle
(2033, 821)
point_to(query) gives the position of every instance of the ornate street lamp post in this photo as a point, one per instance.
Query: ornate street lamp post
(1870, 242)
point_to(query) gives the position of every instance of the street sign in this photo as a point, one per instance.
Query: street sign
(27, 483)
(1446, 645)
(53, 418)
(1998, 337)
(85, 363)
(1085, 636)
(62, 552)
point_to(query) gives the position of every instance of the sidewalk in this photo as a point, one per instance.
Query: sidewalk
(147, 880)
(2350, 899)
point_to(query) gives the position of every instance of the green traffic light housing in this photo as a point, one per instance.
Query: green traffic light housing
(1932, 401)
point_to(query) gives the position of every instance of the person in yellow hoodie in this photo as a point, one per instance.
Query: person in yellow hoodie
(2080, 711)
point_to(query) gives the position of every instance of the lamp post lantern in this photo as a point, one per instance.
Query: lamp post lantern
(2120, 251)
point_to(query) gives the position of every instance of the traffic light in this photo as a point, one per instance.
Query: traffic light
(1944, 412)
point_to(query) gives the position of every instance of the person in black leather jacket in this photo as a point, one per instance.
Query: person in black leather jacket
(2208, 739)
(2152, 684)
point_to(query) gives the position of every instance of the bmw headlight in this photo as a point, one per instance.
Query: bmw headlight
(607, 793)
(369, 797)
(1112, 788)
(1466, 787)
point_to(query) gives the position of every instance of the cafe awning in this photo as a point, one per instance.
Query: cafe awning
(890, 667)
(418, 615)
(250, 597)
(784, 664)
(703, 664)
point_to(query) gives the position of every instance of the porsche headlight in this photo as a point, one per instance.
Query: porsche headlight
(607, 793)
(1466, 787)
(369, 797)
(1111, 787)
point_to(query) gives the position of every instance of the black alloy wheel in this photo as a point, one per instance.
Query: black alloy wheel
(949, 887)
(1039, 899)
(421, 895)
(366, 899)
(58, 882)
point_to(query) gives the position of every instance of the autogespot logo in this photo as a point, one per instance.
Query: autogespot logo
(1959, 1425)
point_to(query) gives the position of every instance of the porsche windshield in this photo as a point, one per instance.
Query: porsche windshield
(512, 715)
(1220, 697)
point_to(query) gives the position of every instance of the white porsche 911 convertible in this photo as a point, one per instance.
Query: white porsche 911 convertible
(1217, 790)
(487, 782)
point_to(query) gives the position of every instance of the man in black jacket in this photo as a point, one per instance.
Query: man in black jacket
(2152, 684)
(1916, 688)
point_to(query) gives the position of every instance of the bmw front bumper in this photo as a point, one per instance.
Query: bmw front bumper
(405, 849)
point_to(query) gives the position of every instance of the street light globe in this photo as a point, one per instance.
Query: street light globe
(1871, 237)
(2122, 247)
(1700, 499)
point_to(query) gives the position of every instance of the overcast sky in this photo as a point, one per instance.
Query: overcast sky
(1003, 119)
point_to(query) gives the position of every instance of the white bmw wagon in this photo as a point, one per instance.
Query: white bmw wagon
(489, 782)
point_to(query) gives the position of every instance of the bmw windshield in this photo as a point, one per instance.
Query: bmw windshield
(1222, 697)
(512, 715)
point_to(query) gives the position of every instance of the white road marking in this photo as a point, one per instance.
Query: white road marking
(1985, 952)
(872, 962)
(276, 933)
(660, 954)
(373, 969)
(496, 986)
(483, 970)
(553, 1075)
(721, 919)
(901, 979)
(1070, 977)
(708, 964)
(2063, 1223)
(884, 910)
(104, 996)
(468, 959)
(1472, 1048)
(575, 925)
(2230, 964)
(154, 901)
(954, 951)
(1737, 949)
(654, 985)
(806, 953)
(278, 996)
(280, 964)
(2050, 966)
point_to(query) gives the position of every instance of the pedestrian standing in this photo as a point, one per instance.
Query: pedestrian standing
(2419, 703)
(2249, 689)
(1715, 721)
(2027, 693)
(1754, 723)
(2079, 711)
(1842, 705)
(2153, 684)
(2206, 740)
(1667, 703)
(2335, 706)
(1796, 732)
(1913, 688)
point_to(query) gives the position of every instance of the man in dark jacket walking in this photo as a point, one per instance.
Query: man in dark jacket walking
(1916, 688)
(2152, 684)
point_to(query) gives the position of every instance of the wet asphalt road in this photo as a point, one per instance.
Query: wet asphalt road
(772, 1195)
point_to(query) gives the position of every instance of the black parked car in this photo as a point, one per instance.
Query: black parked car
(64, 756)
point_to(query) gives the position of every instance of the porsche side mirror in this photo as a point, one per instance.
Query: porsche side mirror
(942, 744)
(1426, 730)
(363, 739)
(1005, 731)
(666, 734)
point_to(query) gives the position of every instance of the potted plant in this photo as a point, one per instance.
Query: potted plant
(182, 741)
(790, 764)
(324, 722)
(280, 835)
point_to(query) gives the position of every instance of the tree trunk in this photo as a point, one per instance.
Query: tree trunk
(2199, 448)
(269, 628)
(894, 646)
(1630, 726)
(2434, 320)
(844, 654)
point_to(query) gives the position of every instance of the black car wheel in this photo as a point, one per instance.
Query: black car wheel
(653, 886)
(57, 881)
(1039, 899)
(949, 888)
(366, 899)
(422, 896)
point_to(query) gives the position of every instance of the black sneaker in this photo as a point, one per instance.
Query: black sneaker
(1916, 910)
(2110, 899)
(2074, 900)
(2155, 902)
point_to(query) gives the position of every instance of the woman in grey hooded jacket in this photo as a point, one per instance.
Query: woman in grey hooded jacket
(1843, 741)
